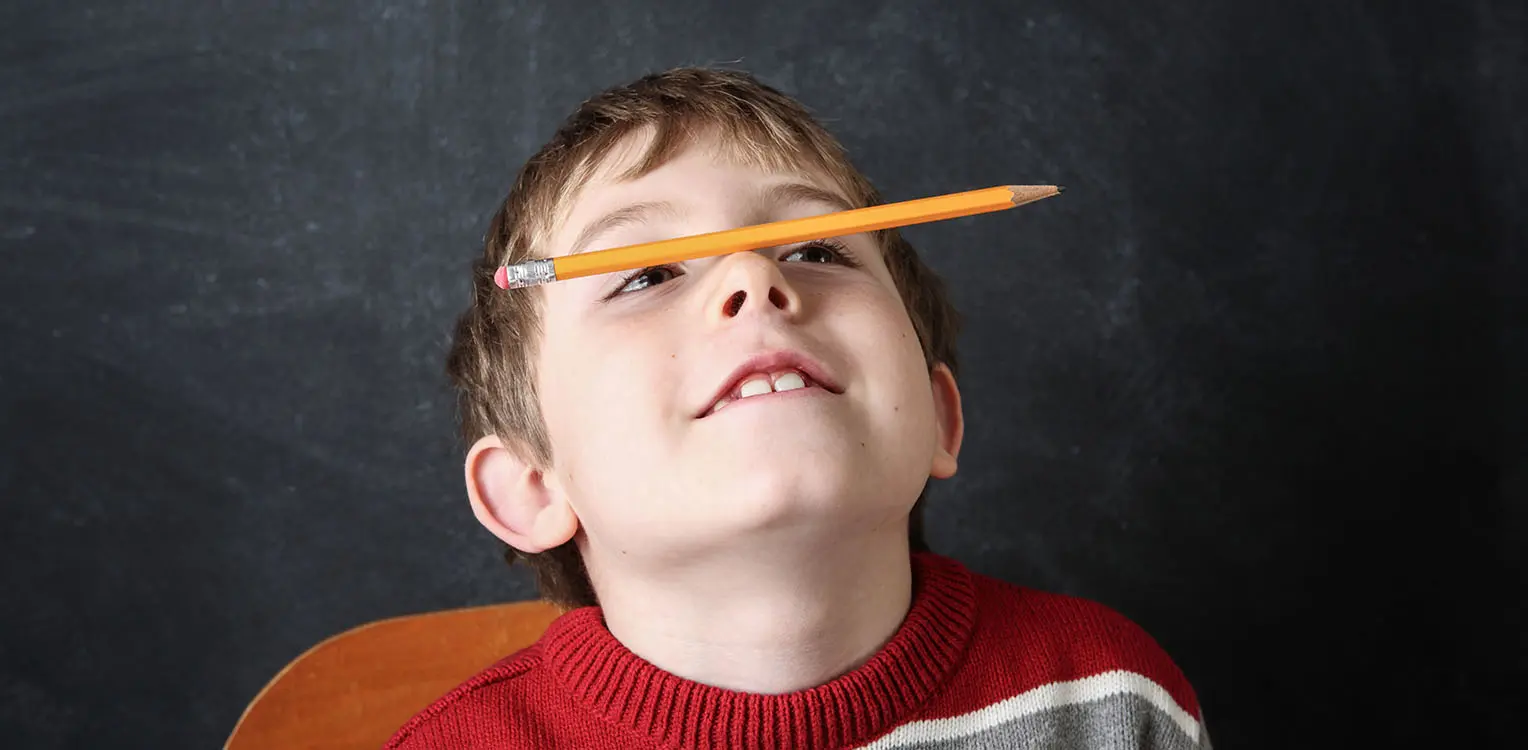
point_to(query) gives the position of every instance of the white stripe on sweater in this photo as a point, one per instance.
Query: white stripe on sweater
(1053, 695)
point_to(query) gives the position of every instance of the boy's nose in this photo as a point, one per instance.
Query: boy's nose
(753, 280)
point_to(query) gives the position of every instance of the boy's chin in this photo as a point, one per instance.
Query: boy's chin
(791, 434)
(788, 488)
(769, 507)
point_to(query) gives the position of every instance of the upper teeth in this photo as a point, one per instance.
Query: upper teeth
(753, 387)
(759, 384)
(790, 381)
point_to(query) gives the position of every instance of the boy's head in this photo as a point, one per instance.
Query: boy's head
(589, 402)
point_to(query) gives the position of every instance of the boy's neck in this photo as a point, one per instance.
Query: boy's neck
(777, 621)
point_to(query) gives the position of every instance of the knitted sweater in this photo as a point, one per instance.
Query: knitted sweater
(977, 663)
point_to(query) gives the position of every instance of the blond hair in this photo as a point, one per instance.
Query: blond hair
(492, 357)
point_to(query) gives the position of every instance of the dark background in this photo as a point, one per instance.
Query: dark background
(1259, 380)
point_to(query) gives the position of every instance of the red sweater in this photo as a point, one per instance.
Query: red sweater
(976, 663)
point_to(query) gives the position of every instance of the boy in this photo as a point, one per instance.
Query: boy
(718, 468)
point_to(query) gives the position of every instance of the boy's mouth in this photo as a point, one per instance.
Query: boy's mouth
(773, 372)
(759, 384)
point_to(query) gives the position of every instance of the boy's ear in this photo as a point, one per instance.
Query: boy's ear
(514, 499)
(949, 421)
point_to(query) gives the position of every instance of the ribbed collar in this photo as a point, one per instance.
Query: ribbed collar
(611, 681)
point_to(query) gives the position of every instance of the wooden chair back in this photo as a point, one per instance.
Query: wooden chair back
(353, 690)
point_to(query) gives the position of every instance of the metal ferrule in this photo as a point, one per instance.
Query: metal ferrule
(530, 273)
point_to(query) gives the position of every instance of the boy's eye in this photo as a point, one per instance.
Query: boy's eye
(817, 252)
(647, 277)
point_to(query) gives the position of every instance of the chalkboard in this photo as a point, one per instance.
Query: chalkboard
(1258, 380)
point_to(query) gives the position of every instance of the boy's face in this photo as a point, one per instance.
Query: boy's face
(631, 364)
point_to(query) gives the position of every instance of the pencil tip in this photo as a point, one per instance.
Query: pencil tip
(1060, 188)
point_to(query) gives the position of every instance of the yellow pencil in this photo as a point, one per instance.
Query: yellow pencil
(631, 257)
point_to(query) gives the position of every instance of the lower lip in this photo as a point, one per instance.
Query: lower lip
(772, 397)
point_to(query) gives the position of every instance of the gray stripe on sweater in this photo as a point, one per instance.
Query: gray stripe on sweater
(1118, 722)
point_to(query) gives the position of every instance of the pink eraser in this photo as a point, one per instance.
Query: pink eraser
(501, 277)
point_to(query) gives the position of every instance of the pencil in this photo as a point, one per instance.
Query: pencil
(631, 257)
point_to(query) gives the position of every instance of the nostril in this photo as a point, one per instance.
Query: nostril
(734, 303)
(777, 297)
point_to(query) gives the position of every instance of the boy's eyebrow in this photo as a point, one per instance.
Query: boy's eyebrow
(768, 198)
(635, 213)
(787, 193)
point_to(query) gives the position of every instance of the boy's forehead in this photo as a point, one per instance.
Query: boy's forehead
(605, 195)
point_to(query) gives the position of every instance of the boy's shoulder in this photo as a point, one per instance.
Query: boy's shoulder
(467, 716)
(523, 700)
(1067, 622)
(1033, 649)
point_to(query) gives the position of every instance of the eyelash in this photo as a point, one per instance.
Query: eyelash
(842, 256)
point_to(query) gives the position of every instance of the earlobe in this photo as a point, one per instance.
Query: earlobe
(513, 500)
(949, 422)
